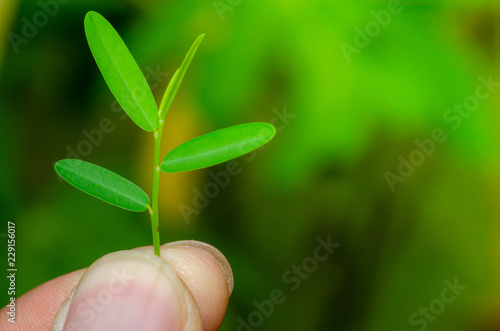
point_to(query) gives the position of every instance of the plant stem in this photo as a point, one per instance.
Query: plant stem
(156, 184)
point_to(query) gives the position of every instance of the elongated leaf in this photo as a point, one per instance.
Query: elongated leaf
(176, 80)
(217, 147)
(103, 184)
(121, 72)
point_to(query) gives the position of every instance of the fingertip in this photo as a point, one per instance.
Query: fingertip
(207, 274)
(212, 253)
(129, 290)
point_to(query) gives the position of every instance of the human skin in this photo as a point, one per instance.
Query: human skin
(199, 272)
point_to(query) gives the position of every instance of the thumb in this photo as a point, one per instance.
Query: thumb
(129, 290)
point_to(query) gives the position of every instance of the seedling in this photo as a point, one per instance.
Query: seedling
(129, 86)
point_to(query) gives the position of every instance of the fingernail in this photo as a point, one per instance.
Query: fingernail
(214, 253)
(128, 291)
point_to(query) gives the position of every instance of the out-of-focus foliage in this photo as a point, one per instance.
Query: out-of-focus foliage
(342, 124)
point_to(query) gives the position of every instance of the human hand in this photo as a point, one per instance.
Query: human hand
(188, 288)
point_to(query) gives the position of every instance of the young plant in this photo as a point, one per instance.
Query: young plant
(130, 88)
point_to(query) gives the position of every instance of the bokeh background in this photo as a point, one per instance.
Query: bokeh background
(345, 120)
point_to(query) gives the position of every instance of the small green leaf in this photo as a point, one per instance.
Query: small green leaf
(217, 147)
(176, 80)
(103, 184)
(121, 72)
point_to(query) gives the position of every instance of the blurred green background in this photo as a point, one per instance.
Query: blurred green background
(348, 106)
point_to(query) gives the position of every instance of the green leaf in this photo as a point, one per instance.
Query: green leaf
(103, 184)
(217, 147)
(176, 80)
(121, 72)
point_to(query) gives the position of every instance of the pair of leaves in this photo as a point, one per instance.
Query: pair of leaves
(131, 90)
(210, 149)
(123, 76)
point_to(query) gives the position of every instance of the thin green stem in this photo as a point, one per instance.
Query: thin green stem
(156, 184)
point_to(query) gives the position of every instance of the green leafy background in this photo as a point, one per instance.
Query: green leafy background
(322, 175)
